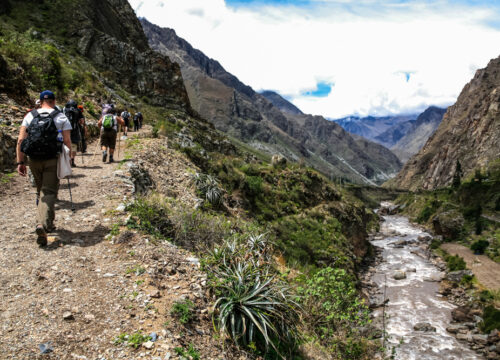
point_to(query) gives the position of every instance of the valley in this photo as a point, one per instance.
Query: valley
(234, 225)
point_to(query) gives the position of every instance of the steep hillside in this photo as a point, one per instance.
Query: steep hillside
(468, 133)
(416, 136)
(240, 112)
(159, 242)
(371, 127)
(392, 135)
(281, 103)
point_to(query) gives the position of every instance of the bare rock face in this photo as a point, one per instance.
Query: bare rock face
(449, 224)
(469, 132)
(111, 36)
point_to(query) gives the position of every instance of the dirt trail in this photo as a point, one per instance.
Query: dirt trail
(82, 290)
(486, 270)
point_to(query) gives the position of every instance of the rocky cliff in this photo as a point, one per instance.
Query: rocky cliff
(469, 132)
(281, 103)
(237, 110)
(416, 136)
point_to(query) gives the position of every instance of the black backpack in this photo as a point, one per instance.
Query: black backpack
(73, 115)
(42, 143)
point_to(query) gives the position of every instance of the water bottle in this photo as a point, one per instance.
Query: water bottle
(59, 136)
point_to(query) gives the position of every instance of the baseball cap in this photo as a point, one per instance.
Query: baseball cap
(46, 95)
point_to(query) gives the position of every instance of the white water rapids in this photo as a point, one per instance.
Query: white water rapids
(413, 300)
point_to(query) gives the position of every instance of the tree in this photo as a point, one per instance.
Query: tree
(457, 177)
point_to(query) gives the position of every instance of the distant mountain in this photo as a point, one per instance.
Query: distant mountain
(416, 136)
(281, 103)
(372, 127)
(237, 110)
(469, 133)
(392, 135)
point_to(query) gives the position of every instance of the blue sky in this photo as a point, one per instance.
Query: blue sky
(342, 57)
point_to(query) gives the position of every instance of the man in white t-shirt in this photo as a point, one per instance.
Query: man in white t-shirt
(43, 160)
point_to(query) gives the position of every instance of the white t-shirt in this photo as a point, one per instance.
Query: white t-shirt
(61, 121)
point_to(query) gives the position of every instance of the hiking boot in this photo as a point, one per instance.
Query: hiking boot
(110, 158)
(73, 163)
(104, 156)
(42, 236)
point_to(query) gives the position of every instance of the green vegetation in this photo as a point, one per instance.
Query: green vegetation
(134, 340)
(491, 319)
(208, 188)
(466, 212)
(332, 307)
(254, 305)
(137, 270)
(191, 352)
(455, 263)
(183, 310)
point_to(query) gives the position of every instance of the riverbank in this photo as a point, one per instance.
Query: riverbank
(421, 312)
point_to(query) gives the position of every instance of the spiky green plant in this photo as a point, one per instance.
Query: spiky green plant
(209, 187)
(253, 307)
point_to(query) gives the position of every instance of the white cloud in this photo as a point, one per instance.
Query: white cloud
(364, 51)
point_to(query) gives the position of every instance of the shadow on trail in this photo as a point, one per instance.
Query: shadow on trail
(63, 185)
(82, 238)
(65, 204)
(93, 167)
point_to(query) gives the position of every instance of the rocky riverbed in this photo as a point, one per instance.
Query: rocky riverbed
(421, 322)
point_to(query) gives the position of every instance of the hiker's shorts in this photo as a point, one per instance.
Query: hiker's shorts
(108, 138)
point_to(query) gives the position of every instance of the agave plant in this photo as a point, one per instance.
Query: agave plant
(209, 187)
(253, 306)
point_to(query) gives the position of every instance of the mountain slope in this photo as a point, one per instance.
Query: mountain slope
(281, 103)
(371, 127)
(237, 110)
(469, 132)
(416, 137)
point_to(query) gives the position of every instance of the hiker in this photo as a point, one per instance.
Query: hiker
(41, 135)
(137, 121)
(109, 129)
(83, 130)
(126, 119)
(140, 119)
(75, 118)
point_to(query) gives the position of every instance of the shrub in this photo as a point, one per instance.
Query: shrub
(435, 244)
(491, 319)
(332, 304)
(455, 263)
(479, 246)
(134, 340)
(183, 310)
(150, 216)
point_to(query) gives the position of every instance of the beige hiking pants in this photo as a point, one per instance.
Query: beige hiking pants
(47, 185)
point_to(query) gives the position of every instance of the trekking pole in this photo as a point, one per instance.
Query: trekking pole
(119, 140)
(70, 196)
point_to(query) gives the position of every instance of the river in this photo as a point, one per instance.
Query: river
(414, 299)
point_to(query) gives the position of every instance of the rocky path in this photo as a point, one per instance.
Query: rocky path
(83, 290)
(486, 270)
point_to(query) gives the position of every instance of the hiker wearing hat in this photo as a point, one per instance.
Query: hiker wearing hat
(39, 143)
(75, 118)
(83, 129)
(109, 129)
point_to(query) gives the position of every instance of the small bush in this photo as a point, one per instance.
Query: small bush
(455, 263)
(479, 246)
(134, 340)
(332, 303)
(151, 217)
(435, 244)
(191, 352)
(183, 310)
(491, 319)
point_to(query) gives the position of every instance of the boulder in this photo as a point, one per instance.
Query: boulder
(399, 275)
(424, 326)
(278, 160)
(449, 224)
(461, 314)
(456, 276)
(457, 328)
(480, 339)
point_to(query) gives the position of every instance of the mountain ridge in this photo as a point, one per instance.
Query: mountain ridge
(237, 110)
